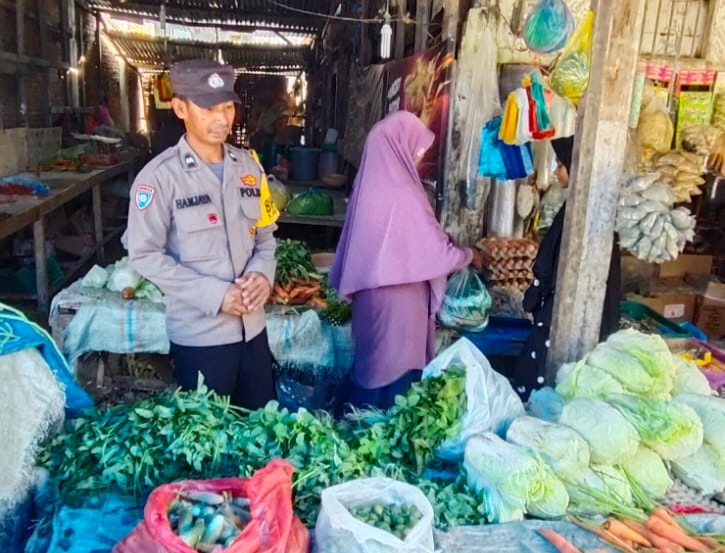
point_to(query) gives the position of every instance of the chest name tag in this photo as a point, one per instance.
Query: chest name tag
(193, 201)
(249, 192)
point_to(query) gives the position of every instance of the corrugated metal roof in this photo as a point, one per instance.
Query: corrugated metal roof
(149, 53)
(227, 12)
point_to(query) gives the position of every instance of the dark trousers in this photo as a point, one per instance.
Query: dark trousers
(242, 371)
(350, 394)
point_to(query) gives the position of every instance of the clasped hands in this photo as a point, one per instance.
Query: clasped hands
(247, 294)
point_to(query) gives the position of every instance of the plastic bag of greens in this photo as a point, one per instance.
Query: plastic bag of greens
(548, 26)
(311, 203)
(279, 192)
(123, 276)
(97, 277)
(374, 515)
(570, 76)
(515, 482)
(466, 304)
(491, 403)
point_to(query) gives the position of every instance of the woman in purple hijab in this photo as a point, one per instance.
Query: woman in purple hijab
(392, 261)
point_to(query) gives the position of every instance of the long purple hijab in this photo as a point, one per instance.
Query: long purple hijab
(391, 235)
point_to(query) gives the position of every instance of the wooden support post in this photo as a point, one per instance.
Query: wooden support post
(43, 29)
(451, 20)
(399, 50)
(98, 222)
(365, 46)
(598, 162)
(20, 37)
(422, 20)
(99, 49)
(41, 264)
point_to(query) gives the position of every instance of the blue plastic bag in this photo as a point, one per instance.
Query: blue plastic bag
(548, 26)
(490, 163)
(17, 333)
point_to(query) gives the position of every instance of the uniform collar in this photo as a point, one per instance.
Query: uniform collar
(190, 161)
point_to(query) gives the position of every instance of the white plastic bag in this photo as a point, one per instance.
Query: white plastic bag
(123, 276)
(338, 531)
(97, 277)
(492, 403)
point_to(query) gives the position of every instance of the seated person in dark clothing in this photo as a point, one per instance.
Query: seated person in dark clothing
(539, 298)
(170, 130)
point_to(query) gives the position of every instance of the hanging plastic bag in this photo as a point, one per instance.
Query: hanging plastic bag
(540, 122)
(523, 126)
(519, 160)
(510, 122)
(273, 528)
(570, 76)
(466, 303)
(490, 161)
(491, 403)
(655, 130)
(548, 26)
(339, 531)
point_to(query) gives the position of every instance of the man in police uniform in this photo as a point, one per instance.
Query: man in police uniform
(200, 227)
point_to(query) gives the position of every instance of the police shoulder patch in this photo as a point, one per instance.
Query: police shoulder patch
(144, 196)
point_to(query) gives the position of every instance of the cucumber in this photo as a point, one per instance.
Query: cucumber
(193, 536)
(208, 498)
(186, 520)
(214, 529)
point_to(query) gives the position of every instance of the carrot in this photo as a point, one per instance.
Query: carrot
(626, 533)
(604, 535)
(664, 514)
(558, 541)
(658, 542)
(675, 535)
(710, 542)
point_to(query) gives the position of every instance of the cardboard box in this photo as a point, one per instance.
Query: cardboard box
(711, 318)
(673, 298)
(686, 264)
(676, 308)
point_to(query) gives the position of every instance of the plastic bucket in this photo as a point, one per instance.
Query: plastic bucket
(305, 162)
(328, 162)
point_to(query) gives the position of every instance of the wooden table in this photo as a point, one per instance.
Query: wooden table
(31, 210)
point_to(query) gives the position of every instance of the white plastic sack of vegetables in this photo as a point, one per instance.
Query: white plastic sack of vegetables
(492, 404)
(339, 531)
(466, 303)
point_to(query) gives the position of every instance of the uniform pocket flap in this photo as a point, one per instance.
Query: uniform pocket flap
(195, 220)
(252, 208)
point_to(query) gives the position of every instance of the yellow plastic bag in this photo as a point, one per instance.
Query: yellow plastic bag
(570, 76)
(510, 122)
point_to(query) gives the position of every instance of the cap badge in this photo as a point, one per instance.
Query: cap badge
(215, 81)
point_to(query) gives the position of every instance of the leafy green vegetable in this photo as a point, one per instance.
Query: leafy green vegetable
(711, 411)
(294, 261)
(671, 429)
(648, 470)
(198, 435)
(580, 380)
(311, 203)
(704, 470)
(563, 449)
(611, 437)
(515, 482)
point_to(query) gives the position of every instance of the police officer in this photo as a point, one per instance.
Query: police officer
(200, 227)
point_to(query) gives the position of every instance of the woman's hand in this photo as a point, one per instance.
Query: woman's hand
(477, 261)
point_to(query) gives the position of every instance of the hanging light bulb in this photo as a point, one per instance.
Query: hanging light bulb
(386, 37)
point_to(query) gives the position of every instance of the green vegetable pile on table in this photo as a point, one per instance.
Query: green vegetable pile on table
(396, 519)
(197, 435)
(207, 520)
(294, 261)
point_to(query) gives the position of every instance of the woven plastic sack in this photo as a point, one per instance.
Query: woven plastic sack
(273, 528)
(570, 76)
(338, 531)
(548, 26)
(466, 304)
